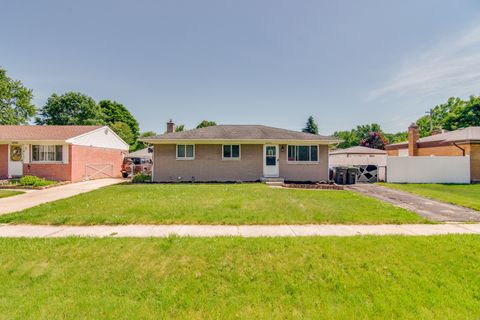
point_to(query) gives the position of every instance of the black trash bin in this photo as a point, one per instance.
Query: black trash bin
(340, 175)
(352, 174)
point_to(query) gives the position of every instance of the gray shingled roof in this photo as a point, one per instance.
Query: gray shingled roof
(239, 132)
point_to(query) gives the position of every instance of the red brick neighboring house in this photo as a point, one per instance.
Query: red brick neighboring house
(461, 142)
(61, 153)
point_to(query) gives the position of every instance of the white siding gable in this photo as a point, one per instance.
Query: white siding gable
(102, 138)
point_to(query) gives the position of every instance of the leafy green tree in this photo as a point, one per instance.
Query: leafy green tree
(206, 123)
(71, 108)
(141, 145)
(396, 137)
(350, 138)
(116, 112)
(466, 116)
(15, 101)
(180, 128)
(439, 115)
(355, 136)
(124, 131)
(311, 126)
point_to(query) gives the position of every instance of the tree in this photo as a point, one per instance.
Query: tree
(396, 137)
(355, 136)
(206, 123)
(439, 113)
(124, 131)
(466, 116)
(116, 112)
(180, 128)
(374, 140)
(15, 101)
(71, 108)
(142, 145)
(311, 126)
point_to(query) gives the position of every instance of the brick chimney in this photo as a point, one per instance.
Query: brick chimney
(170, 126)
(413, 135)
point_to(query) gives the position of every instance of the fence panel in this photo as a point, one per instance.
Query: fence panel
(428, 169)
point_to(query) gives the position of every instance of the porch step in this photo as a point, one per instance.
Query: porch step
(273, 181)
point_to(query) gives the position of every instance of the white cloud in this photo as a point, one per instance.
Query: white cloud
(451, 68)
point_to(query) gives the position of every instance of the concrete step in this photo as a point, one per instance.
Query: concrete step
(273, 181)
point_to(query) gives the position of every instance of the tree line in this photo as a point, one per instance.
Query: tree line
(70, 108)
(74, 108)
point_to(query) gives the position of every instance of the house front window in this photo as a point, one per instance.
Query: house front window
(47, 153)
(303, 154)
(231, 152)
(185, 151)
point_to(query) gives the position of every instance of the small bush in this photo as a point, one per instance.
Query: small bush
(141, 178)
(34, 181)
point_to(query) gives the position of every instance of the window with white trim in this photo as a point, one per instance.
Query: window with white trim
(231, 151)
(47, 153)
(185, 151)
(302, 154)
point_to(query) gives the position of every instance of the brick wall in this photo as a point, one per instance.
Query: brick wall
(3, 161)
(50, 171)
(108, 160)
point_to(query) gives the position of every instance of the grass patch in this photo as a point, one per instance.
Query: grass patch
(466, 195)
(390, 277)
(212, 204)
(8, 193)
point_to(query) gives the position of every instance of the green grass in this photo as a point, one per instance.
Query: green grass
(390, 277)
(212, 204)
(466, 195)
(8, 193)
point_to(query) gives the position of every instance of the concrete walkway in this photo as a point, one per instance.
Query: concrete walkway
(427, 208)
(36, 197)
(145, 231)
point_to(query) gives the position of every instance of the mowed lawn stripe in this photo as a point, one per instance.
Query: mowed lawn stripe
(389, 277)
(466, 195)
(9, 193)
(213, 204)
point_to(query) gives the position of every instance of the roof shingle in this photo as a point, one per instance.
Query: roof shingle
(39, 133)
(239, 132)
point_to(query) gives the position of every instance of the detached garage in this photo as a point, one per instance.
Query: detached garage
(61, 153)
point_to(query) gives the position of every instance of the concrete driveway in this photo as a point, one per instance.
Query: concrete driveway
(427, 208)
(37, 197)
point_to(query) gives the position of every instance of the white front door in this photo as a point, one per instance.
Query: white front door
(15, 160)
(270, 161)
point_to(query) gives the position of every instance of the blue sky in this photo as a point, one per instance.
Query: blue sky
(270, 62)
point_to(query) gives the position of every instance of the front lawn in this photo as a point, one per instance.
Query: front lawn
(385, 277)
(213, 204)
(466, 195)
(9, 193)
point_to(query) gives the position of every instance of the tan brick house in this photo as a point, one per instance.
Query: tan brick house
(462, 142)
(62, 153)
(229, 153)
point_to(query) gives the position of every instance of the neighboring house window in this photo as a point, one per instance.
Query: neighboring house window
(231, 151)
(41, 153)
(302, 153)
(185, 151)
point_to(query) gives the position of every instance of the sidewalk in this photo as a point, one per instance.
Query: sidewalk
(146, 231)
(36, 197)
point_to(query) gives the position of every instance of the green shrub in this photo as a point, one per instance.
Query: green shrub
(141, 178)
(33, 181)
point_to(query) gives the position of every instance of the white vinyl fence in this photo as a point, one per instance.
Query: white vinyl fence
(428, 169)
